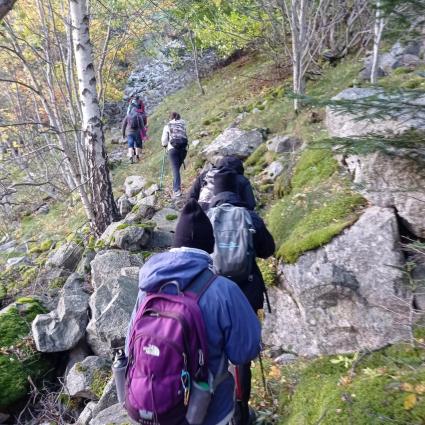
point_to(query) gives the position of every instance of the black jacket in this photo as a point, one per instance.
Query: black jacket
(244, 186)
(264, 247)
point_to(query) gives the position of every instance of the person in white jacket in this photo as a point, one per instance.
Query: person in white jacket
(174, 139)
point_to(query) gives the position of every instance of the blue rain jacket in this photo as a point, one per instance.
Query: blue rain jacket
(231, 325)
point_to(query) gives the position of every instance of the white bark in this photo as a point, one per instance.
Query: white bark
(102, 199)
(377, 35)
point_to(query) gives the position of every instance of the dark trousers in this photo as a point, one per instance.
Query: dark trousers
(176, 157)
(244, 372)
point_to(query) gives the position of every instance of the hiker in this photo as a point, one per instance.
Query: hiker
(136, 103)
(133, 126)
(174, 139)
(203, 187)
(230, 223)
(230, 329)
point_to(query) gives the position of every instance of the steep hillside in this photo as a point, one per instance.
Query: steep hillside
(343, 341)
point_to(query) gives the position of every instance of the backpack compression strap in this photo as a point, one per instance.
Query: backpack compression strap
(201, 283)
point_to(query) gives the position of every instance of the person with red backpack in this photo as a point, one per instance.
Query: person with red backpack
(186, 326)
(174, 139)
(133, 127)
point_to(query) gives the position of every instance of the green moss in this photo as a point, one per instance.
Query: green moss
(28, 276)
(15, 323)
(13, 380)
(122, 226)
(171, 217)
(57, 283)
(100, 379)
(80, 368)
(42, 247)
(15, 326)
(314, 166)
(268, 270)
(206, 122)
(135, 209)
(414, 83)
(100, 244)
(370, 390)
(257, 156)
(402, 70)
(309, 219)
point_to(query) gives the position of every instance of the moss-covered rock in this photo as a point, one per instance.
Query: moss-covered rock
(100, 379)
(319, 205)
(387, 386)
(18, 358)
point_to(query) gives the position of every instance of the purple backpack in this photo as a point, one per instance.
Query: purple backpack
(167, 351)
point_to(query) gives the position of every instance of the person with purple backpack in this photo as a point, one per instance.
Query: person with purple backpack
(186, 326)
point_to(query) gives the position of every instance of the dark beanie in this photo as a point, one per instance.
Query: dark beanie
(225, 180)
(194, 229)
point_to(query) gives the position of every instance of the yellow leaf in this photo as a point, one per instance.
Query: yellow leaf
(410, 401)
(407, 387)
(274, 372)
(420, 389)
(345, 380)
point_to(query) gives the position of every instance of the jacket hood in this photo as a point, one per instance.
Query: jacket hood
(227, 198)
(180, 265)
(232, 162)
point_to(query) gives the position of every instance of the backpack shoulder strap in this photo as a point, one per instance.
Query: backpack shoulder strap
(201, 283)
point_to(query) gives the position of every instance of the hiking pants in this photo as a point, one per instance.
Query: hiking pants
(244, 372)
(176, 157)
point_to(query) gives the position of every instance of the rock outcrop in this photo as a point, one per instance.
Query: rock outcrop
(165, 226)
(66, 256)
(115, 414)
(63, 328)
(113, 300)
(344, 297)
(85, 379)
(134, 185)
(233, 141)
(283, 144)
(396, 180)
(344, 124)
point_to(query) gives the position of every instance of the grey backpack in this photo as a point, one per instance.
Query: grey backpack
(234, 251)
(207, 191)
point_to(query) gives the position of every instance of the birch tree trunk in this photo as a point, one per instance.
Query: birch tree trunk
(377, 35)
(298, 46)
(104, 207)
(195, 61)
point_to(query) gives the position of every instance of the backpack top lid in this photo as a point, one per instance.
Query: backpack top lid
(234, 251)
(207, 191)
(167, 350)
(177, 129)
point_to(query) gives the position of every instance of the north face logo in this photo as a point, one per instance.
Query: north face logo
(151, 350)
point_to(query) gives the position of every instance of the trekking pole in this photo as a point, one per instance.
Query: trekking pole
(162, 170)
(263, 376)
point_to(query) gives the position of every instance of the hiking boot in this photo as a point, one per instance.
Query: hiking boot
(177, 194)
(131, 160)
(138, 158)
